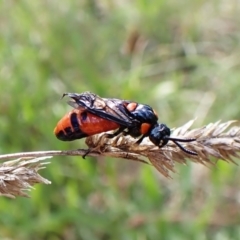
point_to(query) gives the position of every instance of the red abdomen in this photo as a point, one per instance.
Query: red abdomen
(79, 124)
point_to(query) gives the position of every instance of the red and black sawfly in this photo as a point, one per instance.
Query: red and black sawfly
(93, 114)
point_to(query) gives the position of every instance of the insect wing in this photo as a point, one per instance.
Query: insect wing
(107, 108)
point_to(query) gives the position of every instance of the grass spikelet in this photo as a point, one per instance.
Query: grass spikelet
(215, 141)
(18, 176)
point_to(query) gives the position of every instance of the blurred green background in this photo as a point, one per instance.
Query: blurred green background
(181, 57)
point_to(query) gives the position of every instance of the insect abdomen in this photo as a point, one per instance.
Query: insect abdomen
(79, 123)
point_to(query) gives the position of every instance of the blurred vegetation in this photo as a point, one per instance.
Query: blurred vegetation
(181, 57)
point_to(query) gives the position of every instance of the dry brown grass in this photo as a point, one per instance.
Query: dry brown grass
(216, 141)
(18, 176)
(213, 142)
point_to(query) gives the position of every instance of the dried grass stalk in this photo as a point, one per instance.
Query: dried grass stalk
(213, 142)
(18, 176)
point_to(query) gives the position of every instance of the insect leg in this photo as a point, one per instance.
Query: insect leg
(87, 152)
(112, 135)
(140, 139)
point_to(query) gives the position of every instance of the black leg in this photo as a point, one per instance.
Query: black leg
(112, 135)
(140, 139)
(87, 152)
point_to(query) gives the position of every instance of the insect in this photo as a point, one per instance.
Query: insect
(93, 114)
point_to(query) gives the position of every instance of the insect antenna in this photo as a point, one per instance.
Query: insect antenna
(177, 140)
